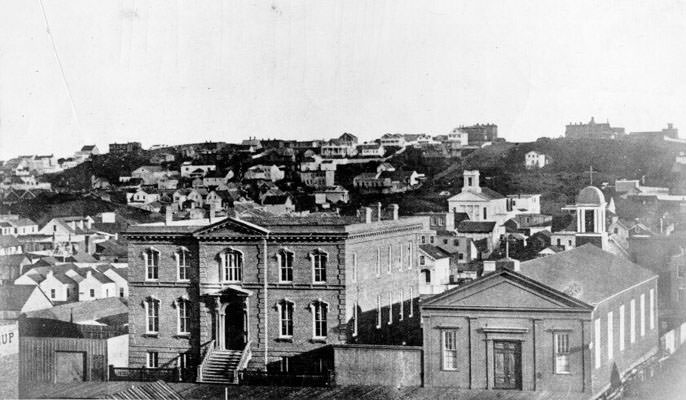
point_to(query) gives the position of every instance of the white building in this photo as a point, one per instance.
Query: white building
(534, 159)
(480, 203)
(434, 266)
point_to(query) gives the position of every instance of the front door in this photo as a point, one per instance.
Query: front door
(235, 328)
(508, 365)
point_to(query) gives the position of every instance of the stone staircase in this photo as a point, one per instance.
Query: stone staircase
(220, 366)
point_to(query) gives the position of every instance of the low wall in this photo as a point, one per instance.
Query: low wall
(377, 365)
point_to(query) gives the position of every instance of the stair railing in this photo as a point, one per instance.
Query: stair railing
(243, 363)
(208, 352)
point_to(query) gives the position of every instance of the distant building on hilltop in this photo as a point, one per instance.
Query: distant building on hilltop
(593, 130)
(534, 160)
(479, 133)
(121, 148)
(669, 132)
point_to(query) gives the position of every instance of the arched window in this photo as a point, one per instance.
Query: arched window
(318, 259)
(152, 261)
(285, 259)
(183, 263)
(183, 308)
(152, 315)
(231, 265)
(319, 313)
(427, 276)
(285, 308)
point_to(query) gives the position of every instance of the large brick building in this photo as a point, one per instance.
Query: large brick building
(278, 288)
(593, 130)
(570, 322)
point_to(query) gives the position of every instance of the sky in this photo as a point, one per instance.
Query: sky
(176, 71)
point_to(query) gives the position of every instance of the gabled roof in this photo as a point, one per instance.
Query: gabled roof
(476, 226)
(14, 297)
(88, 147)
(491, 194)
(434, 252)
(529, 294)
(232, 224)
(587, 272)
(275, 199)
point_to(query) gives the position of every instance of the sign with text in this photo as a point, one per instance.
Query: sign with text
(9, 339)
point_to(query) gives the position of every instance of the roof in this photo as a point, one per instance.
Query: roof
(397, 175)
(433, 251)
(83, 310)
(276, 199)
(590, 195)
(88, 147)
(9, 241)
(491, 194)
(14, 297)
(476, 226)
(587, 272)
(23, 222)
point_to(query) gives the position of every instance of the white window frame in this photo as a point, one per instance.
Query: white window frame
(622, 322)
(389, 267)
(402, 306)
(183, 316)
(282, 306)
(378, 311)
(449, 350)
(632, 321)
(409, 254)
(378, 262)
(642, 316)
(390, 308)
(151, 358)
(401, 259)
(150, 265)
(561, 353)
(411, 314)
(321, 305)
(235, 270)
(355, 316)
(316, 260)
(154, 316)
(284, 266)
(610, 335)
(182, 255)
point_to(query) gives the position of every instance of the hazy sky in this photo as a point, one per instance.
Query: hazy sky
(174, 71)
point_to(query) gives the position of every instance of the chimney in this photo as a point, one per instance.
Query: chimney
(367, 215)
(168, 216)
(394, 209)
(378, 211)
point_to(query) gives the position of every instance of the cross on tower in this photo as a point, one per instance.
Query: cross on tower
(590, 173)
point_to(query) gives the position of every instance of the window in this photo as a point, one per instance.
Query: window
(319, 309)
(652, 309)
(355, 319)
(485, 213)
(632, 321)
(354, 267)
(390, 259)
(400, 257)
(411, 303)
(68, 292)
(422, 260)
(121, 292)
(232, 266)
(152, 316)
(596, 342)
(642, 316)
(378, 311)
(318, 266)
(559, 242)
(107, 293)
(184, 316)
(152, 361)
(284, 364)
(409, 255)
(390, 308)
(610, 336)
(152, 260)
(182, 263)
(52, 293)
(423, 239)
(456, 242)
(561, 349)
(286, 308)
(92, 292)
(450, 350)
(182, 361)
(427, 276)
(431, 240)
(460, 256)
(402, 306)
(378, 261)
(445, 241)
(285, 266)
(621, 327)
